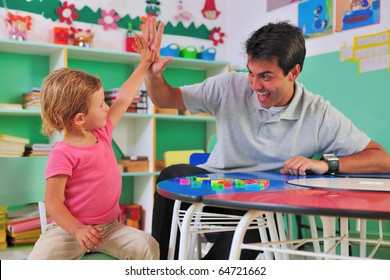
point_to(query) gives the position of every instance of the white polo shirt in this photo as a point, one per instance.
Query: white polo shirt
(250, 139)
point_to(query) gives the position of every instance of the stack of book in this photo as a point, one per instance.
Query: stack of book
(32, 99)
(11, 106)
(36, 150)
(138, 105)
(12, 146)
(3, 233)
(24, 225)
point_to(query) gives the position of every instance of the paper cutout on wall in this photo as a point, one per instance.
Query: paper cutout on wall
(353, 14)
(182, 14)
(47, 8)
(109, 19)
(370, 51)
(315, 18)
(152, 8)
(209, 10)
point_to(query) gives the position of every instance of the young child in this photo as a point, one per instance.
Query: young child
(83, 181)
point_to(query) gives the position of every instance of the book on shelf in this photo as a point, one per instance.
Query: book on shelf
(11, 147)
(25, 237)
(32, 99)
(10, 154)
(13, 139)
(11, 106)
(26, 225)
(22, 212)
(38, 150)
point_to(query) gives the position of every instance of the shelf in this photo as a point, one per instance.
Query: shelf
(19, 112)
(29, 47)
(135, 174)
(74, 52)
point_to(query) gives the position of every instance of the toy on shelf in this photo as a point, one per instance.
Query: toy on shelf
(130, 40)
(172, 49)
(18, 26)
(81, 37)
(207, 54)
(188, 52)
(61, 35)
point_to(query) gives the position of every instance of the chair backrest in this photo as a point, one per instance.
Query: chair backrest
(182, 156)
(199, 158)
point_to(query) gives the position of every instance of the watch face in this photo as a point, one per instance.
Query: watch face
(333, 165)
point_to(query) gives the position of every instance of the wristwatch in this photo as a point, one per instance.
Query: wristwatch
(333, 163)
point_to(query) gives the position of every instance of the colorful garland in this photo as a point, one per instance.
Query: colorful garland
(68, 13)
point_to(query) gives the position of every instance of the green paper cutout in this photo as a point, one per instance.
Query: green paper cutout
(47, 8)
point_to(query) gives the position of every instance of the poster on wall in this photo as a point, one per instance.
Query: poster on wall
(356, 13)
(315, 18)
(276, 4)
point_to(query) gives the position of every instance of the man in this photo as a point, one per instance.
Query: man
(266, 121)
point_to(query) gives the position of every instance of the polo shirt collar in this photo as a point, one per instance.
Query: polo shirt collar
(292, 110)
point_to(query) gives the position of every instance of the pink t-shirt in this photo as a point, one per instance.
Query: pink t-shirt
(94, 184)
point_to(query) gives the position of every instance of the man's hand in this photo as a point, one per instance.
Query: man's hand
(301, 165)
(153, 39)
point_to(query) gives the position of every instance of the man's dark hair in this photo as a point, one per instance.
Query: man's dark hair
(280, 40)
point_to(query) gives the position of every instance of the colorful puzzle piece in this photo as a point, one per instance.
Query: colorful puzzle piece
(223, 183)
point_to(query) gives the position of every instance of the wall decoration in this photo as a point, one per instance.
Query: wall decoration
(67, 13)
(356, 13)
(217, 36)
(276, 4)
(182, 14)
(209, 10)
(371, 51)
(109, 19)
(72, 13)
(315, 18)
(152, 8)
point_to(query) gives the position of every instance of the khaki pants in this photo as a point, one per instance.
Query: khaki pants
(120, 241)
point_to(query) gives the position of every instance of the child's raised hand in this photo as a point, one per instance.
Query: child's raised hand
(147, 52)
(89, 237)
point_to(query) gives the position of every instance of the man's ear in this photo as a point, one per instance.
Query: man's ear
(79, 119)
(294, 73)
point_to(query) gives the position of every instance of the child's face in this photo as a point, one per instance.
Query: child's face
(97, 113)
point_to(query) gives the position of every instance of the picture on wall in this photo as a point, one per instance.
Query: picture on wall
(315, 18)
(356, 13)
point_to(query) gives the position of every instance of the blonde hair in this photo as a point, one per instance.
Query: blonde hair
(65, 93)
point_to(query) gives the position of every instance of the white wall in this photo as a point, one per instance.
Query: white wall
(252, 14)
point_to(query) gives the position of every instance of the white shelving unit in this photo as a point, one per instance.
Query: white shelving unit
(136, 133)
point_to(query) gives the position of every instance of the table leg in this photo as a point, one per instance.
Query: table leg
(185, 230)
(242, 227)
(174, 227)
(329, 230)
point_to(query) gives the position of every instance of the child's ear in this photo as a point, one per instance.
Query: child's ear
(79, 119)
